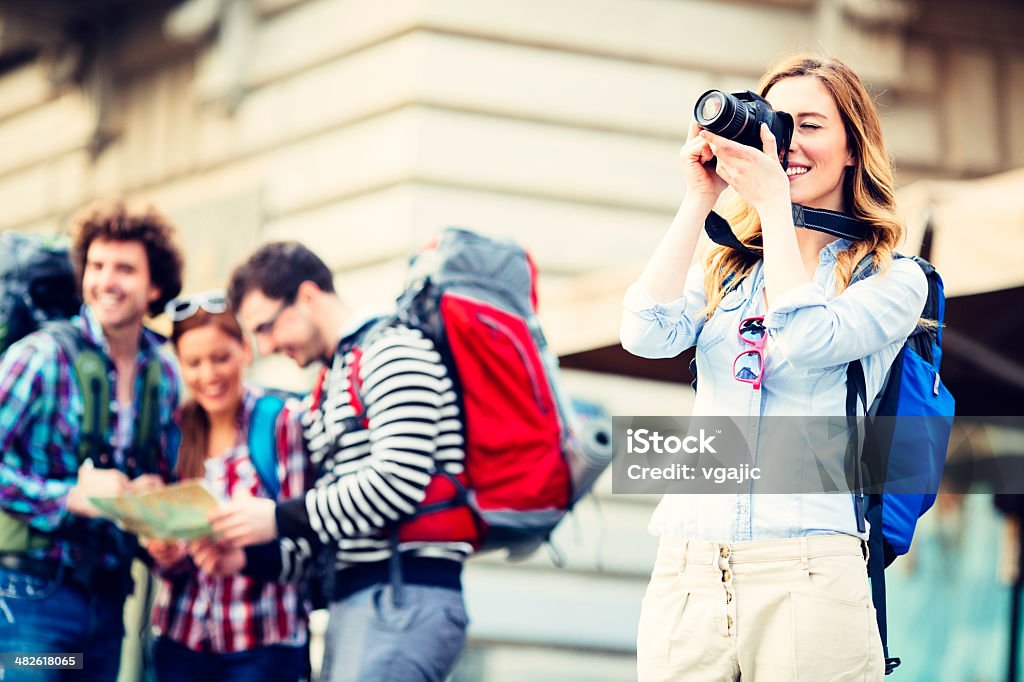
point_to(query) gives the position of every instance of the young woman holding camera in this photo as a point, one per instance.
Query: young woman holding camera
(773, 587)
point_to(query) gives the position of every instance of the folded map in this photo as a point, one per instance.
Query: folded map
(176, 512)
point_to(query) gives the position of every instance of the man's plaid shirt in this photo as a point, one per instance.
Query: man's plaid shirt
(41, 410)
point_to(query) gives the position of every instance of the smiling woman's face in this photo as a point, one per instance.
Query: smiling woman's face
(212, 367)
(818, 155)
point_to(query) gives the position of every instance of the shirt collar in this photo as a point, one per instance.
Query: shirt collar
(149, 342)
(358, 320)
(831, 250)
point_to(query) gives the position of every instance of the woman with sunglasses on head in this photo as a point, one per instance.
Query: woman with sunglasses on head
(212, 625)
(774, 587)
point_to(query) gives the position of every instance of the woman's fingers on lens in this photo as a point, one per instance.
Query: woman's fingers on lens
(694, 131)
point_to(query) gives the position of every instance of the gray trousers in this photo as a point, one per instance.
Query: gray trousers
(369, 639)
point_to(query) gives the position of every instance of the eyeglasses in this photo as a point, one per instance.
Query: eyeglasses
(184, 307)
(265, 328)
(749, 365)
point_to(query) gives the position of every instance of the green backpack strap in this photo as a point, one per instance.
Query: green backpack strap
(91, 371)
(147, 425)
(16, 536)
(93, 382)
(95, 387)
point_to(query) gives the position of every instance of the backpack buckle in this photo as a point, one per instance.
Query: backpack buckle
(891, 664)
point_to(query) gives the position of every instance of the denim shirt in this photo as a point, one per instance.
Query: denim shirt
(812, 336)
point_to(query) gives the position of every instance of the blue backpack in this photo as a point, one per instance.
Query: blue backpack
(911, 440)
(262, 441)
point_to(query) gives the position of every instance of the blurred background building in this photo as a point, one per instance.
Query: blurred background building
(361, 127)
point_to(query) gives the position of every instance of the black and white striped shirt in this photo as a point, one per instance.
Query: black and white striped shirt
(372, 477)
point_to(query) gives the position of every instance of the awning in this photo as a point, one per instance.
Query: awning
(976, 230)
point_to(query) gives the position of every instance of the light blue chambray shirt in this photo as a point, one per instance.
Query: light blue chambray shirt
(812, 336)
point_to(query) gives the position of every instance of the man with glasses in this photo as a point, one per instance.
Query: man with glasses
(396, 608)
(65, 572)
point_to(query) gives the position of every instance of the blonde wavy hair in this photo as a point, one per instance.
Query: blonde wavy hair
(867, 186)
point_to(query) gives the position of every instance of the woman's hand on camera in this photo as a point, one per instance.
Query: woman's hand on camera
(703, 184)
(757, 176)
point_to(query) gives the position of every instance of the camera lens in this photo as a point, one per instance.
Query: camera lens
(712, 107)
(722, 114)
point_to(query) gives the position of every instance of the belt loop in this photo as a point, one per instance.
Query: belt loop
(804, 563)
(682, 560)
(864, 550)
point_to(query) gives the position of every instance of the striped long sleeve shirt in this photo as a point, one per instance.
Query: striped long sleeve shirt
(237, 613)
(374, 475)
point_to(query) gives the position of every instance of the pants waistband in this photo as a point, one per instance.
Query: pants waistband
(426, 571)
(96, 582)
(37, 568)
(784, 549)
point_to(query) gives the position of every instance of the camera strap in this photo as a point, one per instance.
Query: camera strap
(822, 220)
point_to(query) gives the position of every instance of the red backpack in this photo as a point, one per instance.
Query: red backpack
(525, 464)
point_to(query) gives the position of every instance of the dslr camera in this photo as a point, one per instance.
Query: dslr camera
(739, 117)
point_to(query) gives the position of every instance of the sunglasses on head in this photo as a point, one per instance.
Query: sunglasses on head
(184, 307)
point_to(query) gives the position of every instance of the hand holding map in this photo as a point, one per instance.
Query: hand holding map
(175, 512)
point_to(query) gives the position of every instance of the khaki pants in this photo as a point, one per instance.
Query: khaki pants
(794, 609)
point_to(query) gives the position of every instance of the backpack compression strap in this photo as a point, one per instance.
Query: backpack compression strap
(876, 573)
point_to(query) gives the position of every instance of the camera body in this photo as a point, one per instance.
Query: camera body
(739, 117)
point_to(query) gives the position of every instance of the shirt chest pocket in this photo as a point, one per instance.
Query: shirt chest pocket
(725, 320)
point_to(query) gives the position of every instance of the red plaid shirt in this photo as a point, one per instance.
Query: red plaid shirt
(238, 613)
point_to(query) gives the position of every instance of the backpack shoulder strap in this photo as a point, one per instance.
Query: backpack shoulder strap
(863, 269)
(934, 309)
(68, 337)
(172, 450)
(91, 373)
(856, 390)
(355, 387)
(147, 424)
(262, 441)
(361, 340)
